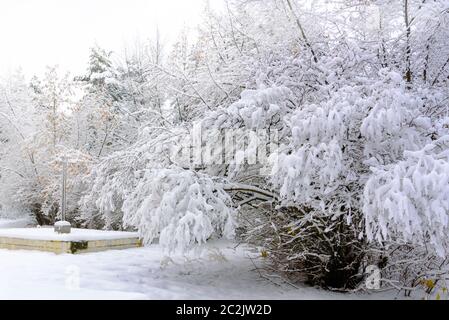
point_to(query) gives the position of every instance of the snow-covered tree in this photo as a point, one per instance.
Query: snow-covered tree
(19, 123)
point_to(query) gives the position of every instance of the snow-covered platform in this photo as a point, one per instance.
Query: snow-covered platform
(78, 241)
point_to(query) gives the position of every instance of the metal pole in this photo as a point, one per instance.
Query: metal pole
(63, 226)
(64, 189)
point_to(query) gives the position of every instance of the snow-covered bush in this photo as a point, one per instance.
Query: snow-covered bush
(409, 200)
(180, 207)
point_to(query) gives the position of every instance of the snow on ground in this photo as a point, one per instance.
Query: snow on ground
(219, 272)
(16, 223)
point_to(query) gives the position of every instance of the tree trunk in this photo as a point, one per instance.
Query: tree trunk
(408, 50)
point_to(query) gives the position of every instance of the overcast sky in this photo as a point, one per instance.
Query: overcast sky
(36, 33)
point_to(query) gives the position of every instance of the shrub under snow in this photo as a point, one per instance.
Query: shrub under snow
(410, 199)
(180, 207)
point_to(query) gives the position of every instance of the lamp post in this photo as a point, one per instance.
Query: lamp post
(64, 189)
(63, 226)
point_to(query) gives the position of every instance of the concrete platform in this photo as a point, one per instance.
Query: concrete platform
(78, 241)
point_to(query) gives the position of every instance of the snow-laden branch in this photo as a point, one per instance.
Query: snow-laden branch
(234, 187)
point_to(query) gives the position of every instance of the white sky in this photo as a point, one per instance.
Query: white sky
(37, 33)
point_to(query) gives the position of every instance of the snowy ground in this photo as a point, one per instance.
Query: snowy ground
(220, 271)
(16, 223)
